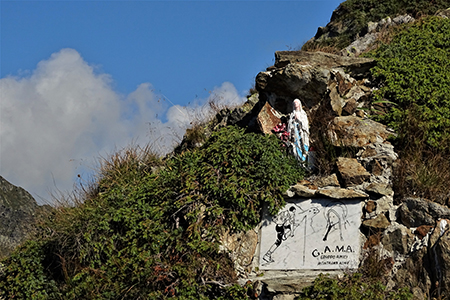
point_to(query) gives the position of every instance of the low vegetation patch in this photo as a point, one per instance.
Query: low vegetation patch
(414, 79)
(149, 229)
(412, 73)
(351, 287)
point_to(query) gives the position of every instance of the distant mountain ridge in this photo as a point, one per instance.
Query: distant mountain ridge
(17, 211)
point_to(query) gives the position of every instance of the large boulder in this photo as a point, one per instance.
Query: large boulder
(414, 212)
(351, 131)
(307, 76)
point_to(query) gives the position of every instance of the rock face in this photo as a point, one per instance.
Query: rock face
(415, 212)
(305, 75)
(336, 93)
(412, 236)
(17, 210)
(374, 30)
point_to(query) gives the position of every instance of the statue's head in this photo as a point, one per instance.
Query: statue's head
(297, 104)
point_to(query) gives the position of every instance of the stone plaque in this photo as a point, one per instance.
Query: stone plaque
(314, 234)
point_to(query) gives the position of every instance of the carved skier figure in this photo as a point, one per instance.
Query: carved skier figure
(285, 226)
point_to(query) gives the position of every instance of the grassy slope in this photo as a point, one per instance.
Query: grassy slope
(141, 233)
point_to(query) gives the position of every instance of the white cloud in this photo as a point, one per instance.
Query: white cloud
(55, 122)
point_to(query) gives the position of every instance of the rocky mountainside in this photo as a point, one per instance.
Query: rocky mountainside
(17, 211)
(365, 21)
(192, 225)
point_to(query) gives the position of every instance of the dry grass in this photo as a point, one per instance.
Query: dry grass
(374, 266)
(128, 160)
(424, 174)
(325, 152)
(67, 222)
(320, 46)
(117, 168)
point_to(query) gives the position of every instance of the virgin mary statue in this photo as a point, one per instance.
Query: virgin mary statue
(298, 127)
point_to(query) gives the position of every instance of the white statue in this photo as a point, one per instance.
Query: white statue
(298, 127)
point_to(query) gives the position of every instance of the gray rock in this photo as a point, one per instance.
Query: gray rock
(355, 92)
(304, 75)
(302, 191)
(385, 205)
(414, 212)
(306, 82)
(397, 238)
(414, 275)
(17, 213)
(16, 198)
(242, 247)
(384, 150)
(381, 189)
(365, 42)
(360, 45)
(323, 59)
(335, 99)
(439, 248)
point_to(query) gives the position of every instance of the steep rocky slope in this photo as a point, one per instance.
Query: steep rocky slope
(17, 210)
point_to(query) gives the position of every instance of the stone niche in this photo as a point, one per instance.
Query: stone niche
(312, 234)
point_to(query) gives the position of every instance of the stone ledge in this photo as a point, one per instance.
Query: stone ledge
(289, 281)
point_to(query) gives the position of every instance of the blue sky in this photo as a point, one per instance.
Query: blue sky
(81, 79)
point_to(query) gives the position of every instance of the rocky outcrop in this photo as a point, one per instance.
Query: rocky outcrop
(17, 212)
(307, 76)
(405, 235)
(425, 268)
(374, 31)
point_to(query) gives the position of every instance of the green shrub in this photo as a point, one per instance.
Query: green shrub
(24, 275)
(351, 287)
(413, 75)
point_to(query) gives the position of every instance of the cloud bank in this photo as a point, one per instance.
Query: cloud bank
(55, 122)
